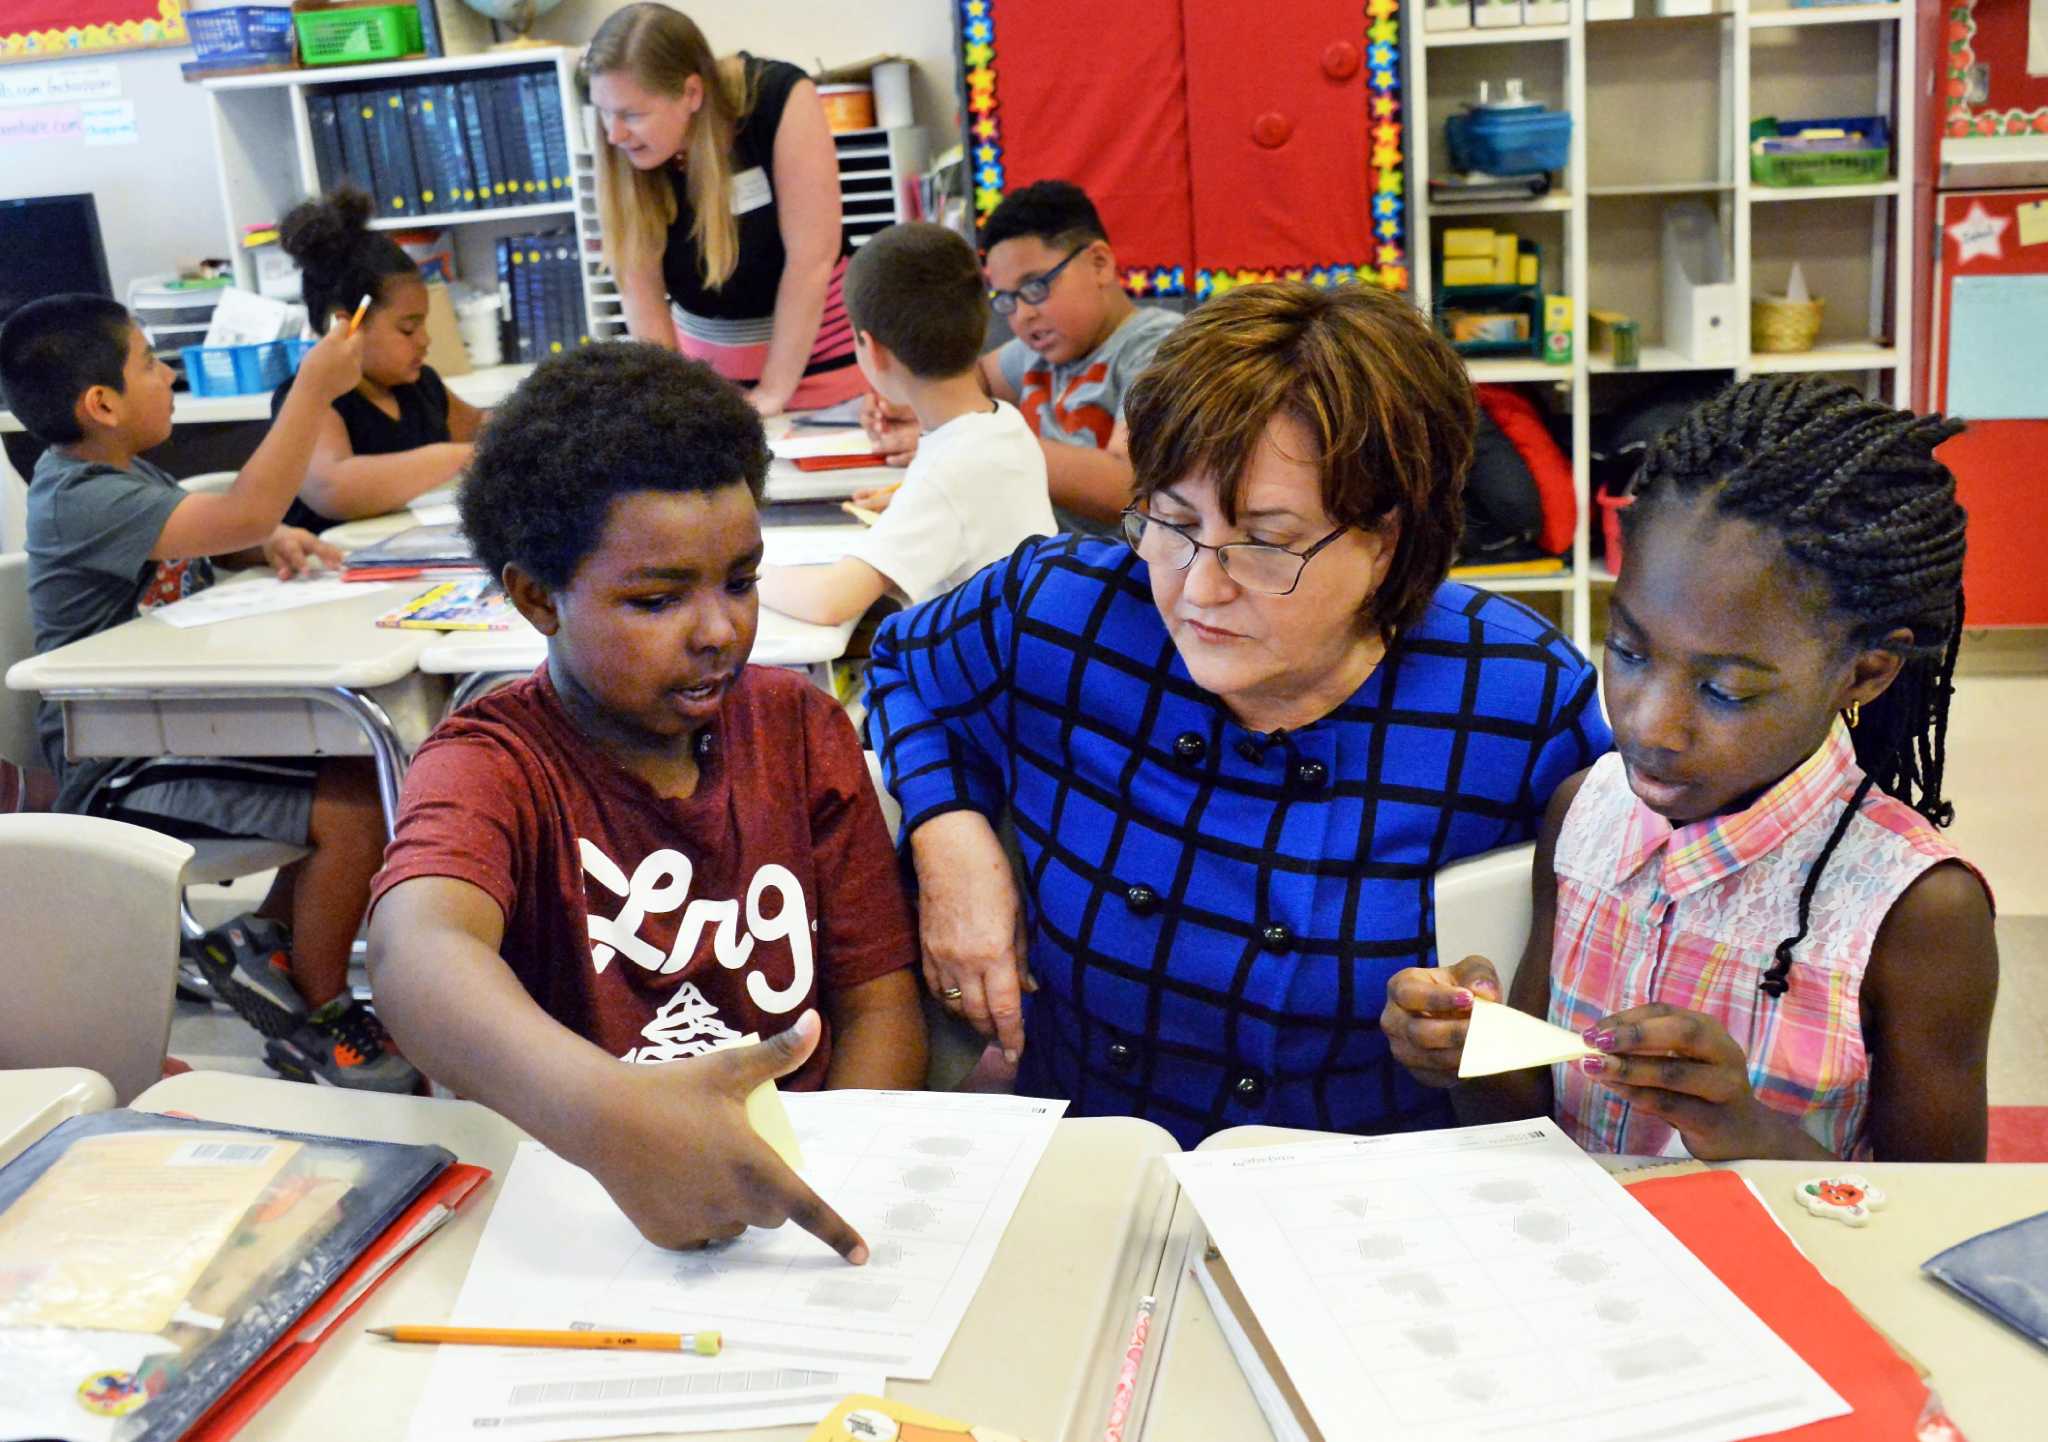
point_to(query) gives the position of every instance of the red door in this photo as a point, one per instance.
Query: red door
(1990, 368)
(1278, 120)
(1095, 91)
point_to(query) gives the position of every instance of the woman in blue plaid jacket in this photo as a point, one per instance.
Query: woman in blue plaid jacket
(1236, 745)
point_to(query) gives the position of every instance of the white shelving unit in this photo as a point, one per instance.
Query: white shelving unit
(1662, 107)
(262, 176)
(878, 171)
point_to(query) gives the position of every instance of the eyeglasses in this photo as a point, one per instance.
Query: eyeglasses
(1270, 570)
(1035, 290)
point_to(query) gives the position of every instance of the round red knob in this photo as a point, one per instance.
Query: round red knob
(1272, 130)
(1340, 60)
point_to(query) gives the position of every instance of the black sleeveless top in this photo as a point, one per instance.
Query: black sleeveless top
(749, 292)
(422, 421)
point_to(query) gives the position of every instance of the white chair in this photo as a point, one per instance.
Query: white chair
(13, 506)
(953, 1046)
(1483, 908)
(210, 482)
(212, 861)
(92, 917)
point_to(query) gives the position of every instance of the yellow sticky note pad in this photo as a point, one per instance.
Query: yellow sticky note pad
(2033, 218)
(770, 1118)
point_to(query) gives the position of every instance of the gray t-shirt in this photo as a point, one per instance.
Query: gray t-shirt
(1079, 403)
(91, 528)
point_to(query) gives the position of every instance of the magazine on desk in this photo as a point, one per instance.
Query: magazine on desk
(414, 552)
(161, 1277)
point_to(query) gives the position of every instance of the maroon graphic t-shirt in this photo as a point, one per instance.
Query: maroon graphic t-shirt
(661, 929)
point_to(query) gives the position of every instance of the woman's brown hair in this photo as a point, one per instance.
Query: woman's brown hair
(1385, 400)
(661, 48)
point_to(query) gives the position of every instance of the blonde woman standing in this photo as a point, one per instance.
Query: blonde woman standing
(718, 188)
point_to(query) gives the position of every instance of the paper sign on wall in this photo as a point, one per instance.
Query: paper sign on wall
(42, 122)
(2037, 37)
(1998, 347)
(109, 122)
(59, 83)
(2033, 218)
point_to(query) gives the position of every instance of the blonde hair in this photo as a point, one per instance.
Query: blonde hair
(661, 48)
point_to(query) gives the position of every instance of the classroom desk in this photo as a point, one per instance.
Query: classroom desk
(34, 1099)
(1993, 1381)
(319, 681)
(1036, 1354)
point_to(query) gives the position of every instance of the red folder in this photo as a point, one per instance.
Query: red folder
(839, 463)
(1721, 1222)
(295, 1349)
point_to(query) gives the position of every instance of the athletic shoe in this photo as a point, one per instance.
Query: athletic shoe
(342, 1045)
(247, 961)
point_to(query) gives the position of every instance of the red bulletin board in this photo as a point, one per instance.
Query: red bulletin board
(1991, 34)
(67, 29)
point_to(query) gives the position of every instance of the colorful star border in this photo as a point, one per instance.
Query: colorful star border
(1387, 266)
(167, 29)
(1959, 122)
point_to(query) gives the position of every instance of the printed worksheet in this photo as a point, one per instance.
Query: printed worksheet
(930, 1180)
(1489, 1282)
(260, 597)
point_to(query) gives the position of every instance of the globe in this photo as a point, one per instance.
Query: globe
(518, 14)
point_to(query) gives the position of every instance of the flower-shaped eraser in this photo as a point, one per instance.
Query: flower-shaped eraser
(1848, 1198)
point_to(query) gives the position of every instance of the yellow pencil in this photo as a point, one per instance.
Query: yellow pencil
(703, 1344)
(362, 309)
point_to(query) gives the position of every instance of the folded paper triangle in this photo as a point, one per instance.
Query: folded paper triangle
(1500, 1039)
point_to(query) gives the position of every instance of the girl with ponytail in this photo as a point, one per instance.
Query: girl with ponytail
(400, 432)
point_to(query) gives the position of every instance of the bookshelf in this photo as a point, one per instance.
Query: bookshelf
(1662, 107)
(260, 178)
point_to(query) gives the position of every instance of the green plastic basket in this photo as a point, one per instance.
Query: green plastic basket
(1833, 167)
(358, 36)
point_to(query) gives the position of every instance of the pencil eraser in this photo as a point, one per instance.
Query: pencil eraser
(706, 1344)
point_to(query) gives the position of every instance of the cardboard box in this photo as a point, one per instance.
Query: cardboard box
(1467, 270)
(1468, 242)
(1557, 329)
(1447, 15)
(1496, 14)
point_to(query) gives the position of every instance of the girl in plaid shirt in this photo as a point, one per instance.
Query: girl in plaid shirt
(1748, 907)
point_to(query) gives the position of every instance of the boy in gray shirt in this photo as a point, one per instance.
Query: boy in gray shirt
(111, 536)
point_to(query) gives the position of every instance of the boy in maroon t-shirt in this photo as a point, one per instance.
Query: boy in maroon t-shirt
(647, 849)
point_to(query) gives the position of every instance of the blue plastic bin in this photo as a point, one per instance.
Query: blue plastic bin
(253, 33)
(1509, 139)
(237, 370)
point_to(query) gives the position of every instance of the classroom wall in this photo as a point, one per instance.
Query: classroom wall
(813, 34)
(159, 200)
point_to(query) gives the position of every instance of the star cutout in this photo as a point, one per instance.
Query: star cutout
(1979, 235)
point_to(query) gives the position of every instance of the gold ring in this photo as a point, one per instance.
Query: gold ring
(950, 993)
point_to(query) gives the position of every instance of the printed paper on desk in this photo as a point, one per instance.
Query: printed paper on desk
(803, 547)
(237, 599)
(1499, 1039)
(1492, 1282)
(930, 1180)
(799, 445)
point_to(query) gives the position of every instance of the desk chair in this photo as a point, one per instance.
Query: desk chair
(92, 908)
(955, 1046)
(211, 861)
(13, 506)
(1483, 908)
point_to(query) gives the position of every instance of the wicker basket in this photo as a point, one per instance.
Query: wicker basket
(1784, 325)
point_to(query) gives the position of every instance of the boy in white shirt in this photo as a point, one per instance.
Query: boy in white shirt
(976, 489)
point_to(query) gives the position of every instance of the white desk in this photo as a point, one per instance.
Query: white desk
(483, 389)
(34, 1099)
(321, 680)
(1035, 1355)
(1993, 1381)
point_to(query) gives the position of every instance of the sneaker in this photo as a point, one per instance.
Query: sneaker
(342, 1045)
(247, 962)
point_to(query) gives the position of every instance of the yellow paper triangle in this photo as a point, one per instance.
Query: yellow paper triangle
(1501, 1039)
(770, 1118)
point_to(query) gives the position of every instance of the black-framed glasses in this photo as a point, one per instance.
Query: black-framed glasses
(1270, 570)
(1035, 290)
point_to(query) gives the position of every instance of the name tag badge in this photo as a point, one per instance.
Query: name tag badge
(750, 190)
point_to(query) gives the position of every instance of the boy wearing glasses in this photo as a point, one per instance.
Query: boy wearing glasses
(1077, 345)
(976, 488)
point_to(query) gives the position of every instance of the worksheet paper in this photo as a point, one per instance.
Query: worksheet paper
(805, 444)
(930, 1180)
(1489, 1282)
(260, 597)
(808, 545)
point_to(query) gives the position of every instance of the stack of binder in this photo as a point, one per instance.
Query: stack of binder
(483, 141)
(540, 296)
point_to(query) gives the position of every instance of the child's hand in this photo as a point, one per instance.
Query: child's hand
(1683, 1068)
(333, 367)
(1427, 1011)
(292, 552)
(684, 1165)
(893, 429)
(875, 498)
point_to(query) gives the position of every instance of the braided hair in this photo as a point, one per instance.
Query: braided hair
(1853, 491)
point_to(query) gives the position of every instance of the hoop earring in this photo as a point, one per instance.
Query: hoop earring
(1853, 713)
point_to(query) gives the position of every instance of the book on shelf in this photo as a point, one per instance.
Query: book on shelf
(437, 146)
